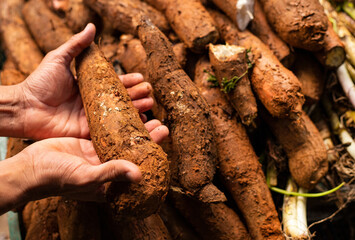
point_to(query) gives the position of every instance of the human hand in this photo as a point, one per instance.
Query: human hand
(53, 106)
(66, 167)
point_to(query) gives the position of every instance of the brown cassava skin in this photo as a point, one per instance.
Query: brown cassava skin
(117, 132)
(76, 14)
(158, 4)
(43, 223)
(16, 38)
(211, 220)
(277, 88)
(261, 28)
(333, 53)
(188, 113)
(178, 228)
(304, 147)
(300, 23)
(227, 67)
(310, 73)
(9, 74)
(125, 14)
(151, 227)
(239, 167)
(71, 216)
(131, 55)
(49, 30)
(185, 17)
(228, 7)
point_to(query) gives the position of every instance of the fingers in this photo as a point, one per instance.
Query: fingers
(152, 124)
(131, 79)
(159, 133)
(140, 90)
(117, 170)
(76, 44)
(143, 104)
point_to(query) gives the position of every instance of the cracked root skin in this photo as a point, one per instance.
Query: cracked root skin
(188, 112)
(239, 168)
(301, 23)
(277, 87)
(117, 132)
(304, 147)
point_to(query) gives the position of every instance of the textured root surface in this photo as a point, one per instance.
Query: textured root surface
(188, 112)
(49, 30)
(277, 88)
(239, 167)
(16, 38)
(230, 61)
(118, 133)
(307, 155)
(185, 17)
(301, 23)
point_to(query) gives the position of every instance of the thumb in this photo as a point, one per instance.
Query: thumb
(117, 170)
(76, 44)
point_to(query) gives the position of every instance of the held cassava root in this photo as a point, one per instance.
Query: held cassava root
(186, 18)
(16, 38)
(261, 28)
(117, 132)
(239, 168)
(304, 147)
(125, 14)
(230, 64)
(300, 23)
(47, 28)
(188, 112)
(277, 88)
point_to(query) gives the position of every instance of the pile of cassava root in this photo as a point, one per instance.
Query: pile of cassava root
(240, 95)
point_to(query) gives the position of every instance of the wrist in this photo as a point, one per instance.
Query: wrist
(11, 111)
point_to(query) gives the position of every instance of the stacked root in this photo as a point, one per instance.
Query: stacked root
(213, 85)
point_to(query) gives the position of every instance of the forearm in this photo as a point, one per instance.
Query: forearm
(14, 186)
(11, 111)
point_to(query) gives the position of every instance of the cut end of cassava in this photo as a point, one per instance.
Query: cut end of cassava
(223, 52)
(335, 57)
(230, 63)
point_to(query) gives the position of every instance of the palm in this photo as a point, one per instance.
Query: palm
(56, 105)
